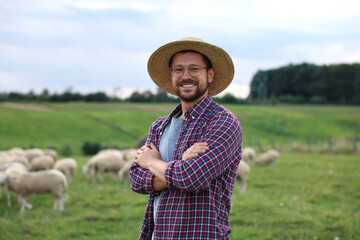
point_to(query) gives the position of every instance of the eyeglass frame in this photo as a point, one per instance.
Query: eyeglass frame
(187, 69)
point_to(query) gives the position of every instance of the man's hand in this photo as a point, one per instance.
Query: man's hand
(150, 159)
(194, 150)
(145, 157)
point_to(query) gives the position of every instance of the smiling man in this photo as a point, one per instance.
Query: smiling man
(189, 162)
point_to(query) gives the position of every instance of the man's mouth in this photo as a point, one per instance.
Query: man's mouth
(187, 85)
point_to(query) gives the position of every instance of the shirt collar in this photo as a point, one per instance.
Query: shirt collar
(196, 110)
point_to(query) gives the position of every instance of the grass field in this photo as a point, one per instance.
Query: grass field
(122, 124)
(305, 196)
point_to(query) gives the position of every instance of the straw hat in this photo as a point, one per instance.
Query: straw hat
(158, 64)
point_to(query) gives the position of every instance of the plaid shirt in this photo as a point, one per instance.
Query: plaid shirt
(197, 202)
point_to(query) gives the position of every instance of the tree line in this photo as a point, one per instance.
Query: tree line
(302, 83)
(70, 96)
(308, 83)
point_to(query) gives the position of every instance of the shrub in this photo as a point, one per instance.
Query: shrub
(89, 148)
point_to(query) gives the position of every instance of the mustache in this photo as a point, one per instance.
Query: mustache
(186, 81)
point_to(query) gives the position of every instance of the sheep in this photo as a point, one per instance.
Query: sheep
(68, 166)
(243, 175)
(43, 162)
(130, 153)
(104, 161)
(8, 163)
(16, 151)
(12, 171)
(129, 156)
(51, 152)
(269, 157)
(19, 159)
(124, 171)
(248, 154)
(14, 155)
(33, 152)
(4, 165)
(40, 182)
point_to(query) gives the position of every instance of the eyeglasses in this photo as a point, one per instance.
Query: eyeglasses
(193, 70)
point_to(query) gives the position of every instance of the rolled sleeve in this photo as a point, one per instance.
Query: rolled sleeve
(141, 179)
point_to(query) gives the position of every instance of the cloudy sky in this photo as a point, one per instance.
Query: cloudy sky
(104, 45)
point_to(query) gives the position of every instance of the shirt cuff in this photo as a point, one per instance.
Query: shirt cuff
(148, 181)
(168, 173)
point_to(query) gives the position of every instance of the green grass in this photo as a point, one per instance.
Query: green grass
(305, 196)
(122, 124)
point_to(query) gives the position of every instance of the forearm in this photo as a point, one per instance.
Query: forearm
(150, 159)
(157, 167)
(158, 185)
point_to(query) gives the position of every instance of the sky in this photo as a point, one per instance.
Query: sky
(91, 46)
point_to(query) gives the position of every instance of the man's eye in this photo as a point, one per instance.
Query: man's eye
(178, 70)
(194, 69)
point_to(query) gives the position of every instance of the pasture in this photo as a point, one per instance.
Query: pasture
(305, 195)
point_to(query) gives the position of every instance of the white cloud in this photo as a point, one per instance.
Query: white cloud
(237, 90)
(102, 44)
(324, 53)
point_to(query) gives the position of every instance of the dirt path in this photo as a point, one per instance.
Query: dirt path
(27, 106)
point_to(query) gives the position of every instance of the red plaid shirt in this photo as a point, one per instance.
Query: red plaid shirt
(197, 202)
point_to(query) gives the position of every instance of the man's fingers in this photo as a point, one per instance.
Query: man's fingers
(153, 146)
(190, 156)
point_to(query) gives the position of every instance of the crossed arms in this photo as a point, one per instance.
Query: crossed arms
(150, 159)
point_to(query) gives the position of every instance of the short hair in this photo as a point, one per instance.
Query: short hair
(205, 59)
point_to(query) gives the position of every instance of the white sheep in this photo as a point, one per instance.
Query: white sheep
(269, 157)
(130, 153)
(9, 177)
(129, 156)
(51, 152)
(111, 160)
(33, 152)
(19, 159)
(43, 162)
(248, 154)
(16, 151)
(40, 182)
(68, 166)
(4, 165)
(243, 173)
(124, 171)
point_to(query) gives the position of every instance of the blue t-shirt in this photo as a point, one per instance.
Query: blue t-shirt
(167, 147)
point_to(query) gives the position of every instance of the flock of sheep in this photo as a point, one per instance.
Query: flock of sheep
(248, 154)
(37, 171)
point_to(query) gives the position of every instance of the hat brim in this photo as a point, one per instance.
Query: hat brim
(158, 64)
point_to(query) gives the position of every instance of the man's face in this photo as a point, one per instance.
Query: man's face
(188, 88)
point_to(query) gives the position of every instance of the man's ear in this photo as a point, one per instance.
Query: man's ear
(211, 74)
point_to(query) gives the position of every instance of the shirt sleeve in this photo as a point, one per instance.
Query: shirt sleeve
(141, 179)
(224, 138)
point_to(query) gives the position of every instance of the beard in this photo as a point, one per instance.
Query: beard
(192, 96)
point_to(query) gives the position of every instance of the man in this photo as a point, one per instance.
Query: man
(189, 162)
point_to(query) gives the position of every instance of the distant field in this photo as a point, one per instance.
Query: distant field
(305, 196)
(121, 124)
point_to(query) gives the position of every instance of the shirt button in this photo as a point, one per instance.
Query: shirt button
(193, 117)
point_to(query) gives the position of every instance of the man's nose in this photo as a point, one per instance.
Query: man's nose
(186, 73)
